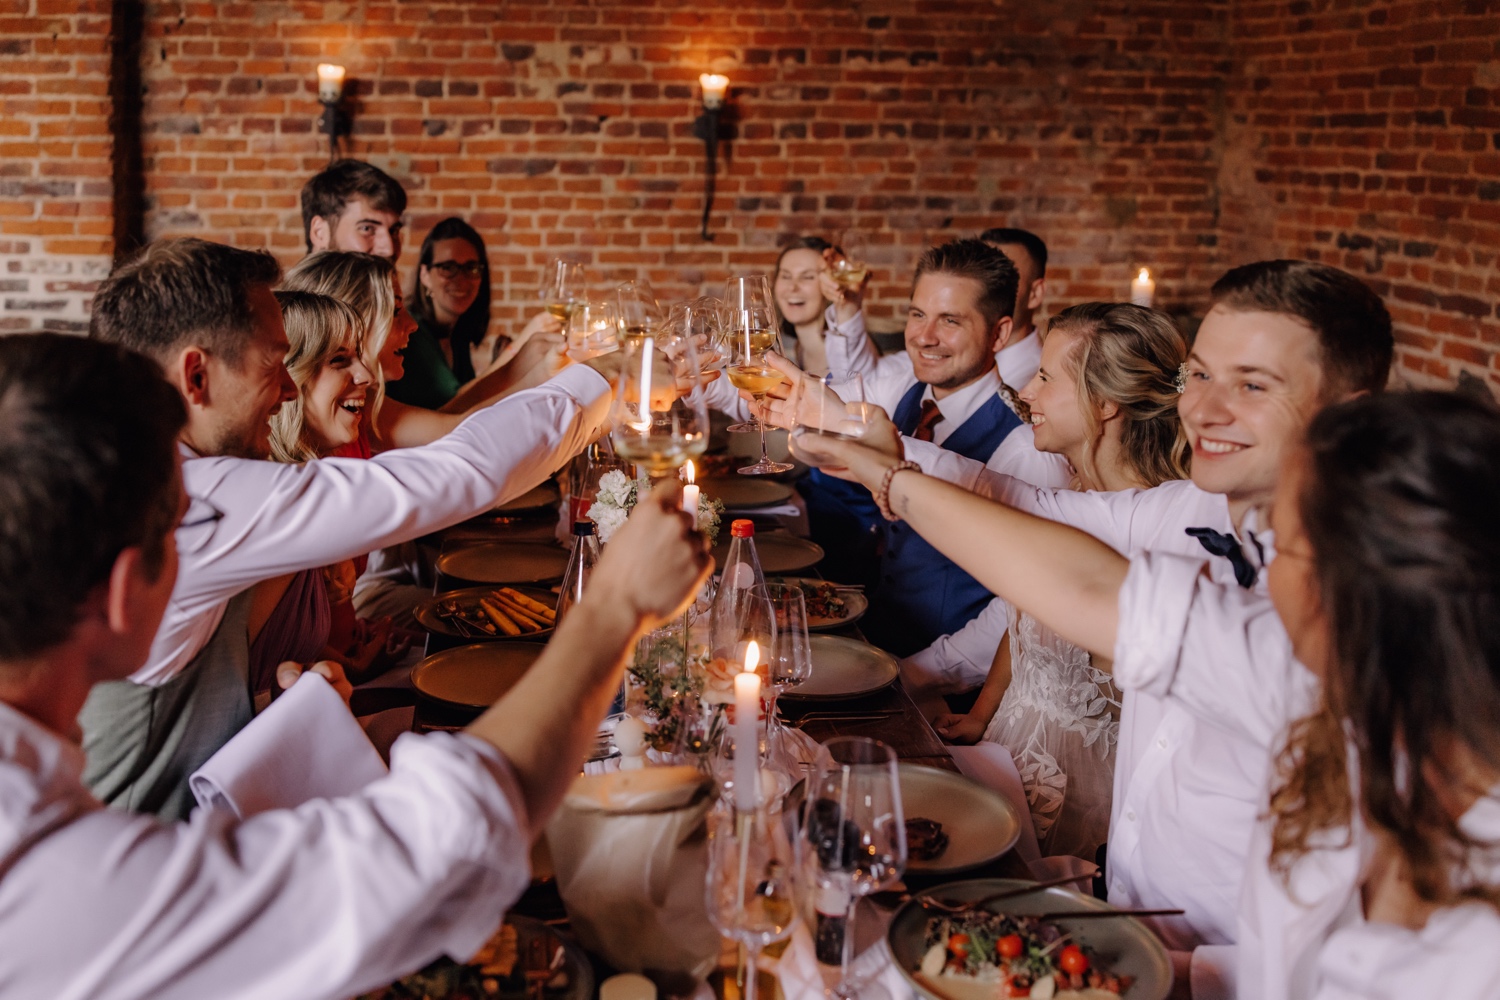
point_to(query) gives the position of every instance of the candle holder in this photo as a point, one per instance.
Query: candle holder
(708, 128)
(336, 121)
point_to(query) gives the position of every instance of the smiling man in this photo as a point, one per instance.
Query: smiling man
(949, 393)
(1282, 340)
(353, 205)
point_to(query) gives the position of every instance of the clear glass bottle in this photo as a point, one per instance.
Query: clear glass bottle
(580, 566)
(741, 575)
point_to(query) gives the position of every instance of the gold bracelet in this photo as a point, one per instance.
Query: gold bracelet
(883, 497)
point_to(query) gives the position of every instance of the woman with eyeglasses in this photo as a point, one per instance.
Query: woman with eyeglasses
(452, 347)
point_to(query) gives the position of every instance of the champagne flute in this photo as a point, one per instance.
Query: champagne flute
(849, 264)
(831, 405)
(788, 658)
(752, 329)
(564, 288)
(640, 315)
(656, 424)
(853, 837)
(748, 886)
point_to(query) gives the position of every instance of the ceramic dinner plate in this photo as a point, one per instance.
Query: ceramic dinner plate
(474, 676)
(537, 498)
(1123, 945)
(845, 668)
(505, 562)
(855, 605)
(981, 824)
(740, 492)
(779, 551)
(426, 613)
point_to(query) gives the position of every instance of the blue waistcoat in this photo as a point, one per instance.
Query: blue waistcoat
(922, 594)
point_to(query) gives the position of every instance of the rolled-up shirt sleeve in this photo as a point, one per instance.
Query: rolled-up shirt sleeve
(847, 345)
(963, 659)
(1217, 649)
(330, 899)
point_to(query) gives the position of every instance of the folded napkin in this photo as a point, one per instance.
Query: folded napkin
(304, 746)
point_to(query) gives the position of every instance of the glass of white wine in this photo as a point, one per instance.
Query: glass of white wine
(592, 329)
(658, 422)
(698, 320)
(565, 289)
(849, 263)
(751, 327)
(640, 314)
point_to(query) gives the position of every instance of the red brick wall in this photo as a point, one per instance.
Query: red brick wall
(55, 193)
(1367, 134)
(565, 127)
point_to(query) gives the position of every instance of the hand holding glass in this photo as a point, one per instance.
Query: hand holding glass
(654, 425)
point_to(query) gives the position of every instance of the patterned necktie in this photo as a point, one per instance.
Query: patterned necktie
(1220, 544)
(926, 420)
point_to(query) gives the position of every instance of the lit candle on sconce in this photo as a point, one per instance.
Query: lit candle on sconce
(715, 85)
(1142, 289)
(330, 83)
(746, 739)
(690, 491)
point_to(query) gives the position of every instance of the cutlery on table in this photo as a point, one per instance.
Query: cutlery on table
(970, 905)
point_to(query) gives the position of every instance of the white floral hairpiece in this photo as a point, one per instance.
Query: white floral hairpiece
(1182, 373)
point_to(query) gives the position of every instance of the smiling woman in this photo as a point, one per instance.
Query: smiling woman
(324, 362)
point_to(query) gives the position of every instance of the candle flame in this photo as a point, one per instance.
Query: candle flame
(330, 72)
(689, 472)
(752, 656)
(1145, 275)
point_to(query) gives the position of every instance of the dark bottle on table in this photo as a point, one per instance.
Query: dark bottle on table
(580, 567)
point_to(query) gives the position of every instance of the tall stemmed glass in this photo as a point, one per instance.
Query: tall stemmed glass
(849, 265)
(750, 330)
(640, 314)
(749, 884)
(658, 423)
(788, 657)
(698, 321)
(592, 329)
(853, 835)
(565, 288)
(831, 405)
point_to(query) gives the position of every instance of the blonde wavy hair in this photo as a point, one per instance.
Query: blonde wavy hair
(317, 326)
(363, 282)
(1128, 356)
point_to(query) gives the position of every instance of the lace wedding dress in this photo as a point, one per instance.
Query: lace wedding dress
(1060, 720)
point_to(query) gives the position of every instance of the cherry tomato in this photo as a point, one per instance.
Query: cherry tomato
(1017, 988)
(1010, 946)
(1073, 961)
(959, 944)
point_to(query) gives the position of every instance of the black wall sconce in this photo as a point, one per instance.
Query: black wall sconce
(336, 121)
(715, 86)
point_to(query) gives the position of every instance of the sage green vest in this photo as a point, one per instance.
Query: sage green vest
(142, 743)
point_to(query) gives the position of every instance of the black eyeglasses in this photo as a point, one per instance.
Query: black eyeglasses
(451, 269)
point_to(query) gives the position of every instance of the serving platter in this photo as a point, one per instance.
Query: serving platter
(475, 676)
(429, 613)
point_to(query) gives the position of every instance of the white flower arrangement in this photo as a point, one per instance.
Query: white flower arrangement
(617, 498)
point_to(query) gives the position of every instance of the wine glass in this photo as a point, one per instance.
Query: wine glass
(849, 263)
(750, 330)
(698, 320)
(831, 405)
(564, 288)
(640, 315)
(592, 329)
(788, 659)
(657, 424)
(749, 884)
(853, 835)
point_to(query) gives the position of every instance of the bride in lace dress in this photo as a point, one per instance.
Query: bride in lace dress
(1106, 399)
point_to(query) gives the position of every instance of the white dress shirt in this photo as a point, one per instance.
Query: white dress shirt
(1222, 653)
(1016, 362)
(329, 900)
(1186, 795)
(249, 521)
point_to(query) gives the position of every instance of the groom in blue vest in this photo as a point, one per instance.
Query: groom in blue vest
(960, 315)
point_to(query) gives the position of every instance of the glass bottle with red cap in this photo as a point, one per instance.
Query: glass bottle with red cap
(737, 582)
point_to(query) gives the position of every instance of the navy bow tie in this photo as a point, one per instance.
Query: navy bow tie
(1220, 544)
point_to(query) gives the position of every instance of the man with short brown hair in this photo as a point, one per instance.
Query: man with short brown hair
(353, 205)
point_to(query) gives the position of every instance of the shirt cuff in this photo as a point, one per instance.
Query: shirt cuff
(1213, 972)
(582, 382)
(854, 327)
(1155, 601)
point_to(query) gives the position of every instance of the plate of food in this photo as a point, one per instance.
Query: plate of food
(504, 562)
(489, 613)
(845, 668)
(537, 498)
(829, 605)
(1026, 946)
(779, 552)
(474, 677)
(739, 492)
(524, 960)
(953, 823)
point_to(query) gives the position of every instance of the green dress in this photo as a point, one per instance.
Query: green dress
(428, 380)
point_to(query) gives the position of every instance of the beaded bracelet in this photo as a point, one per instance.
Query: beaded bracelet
(883, 496)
